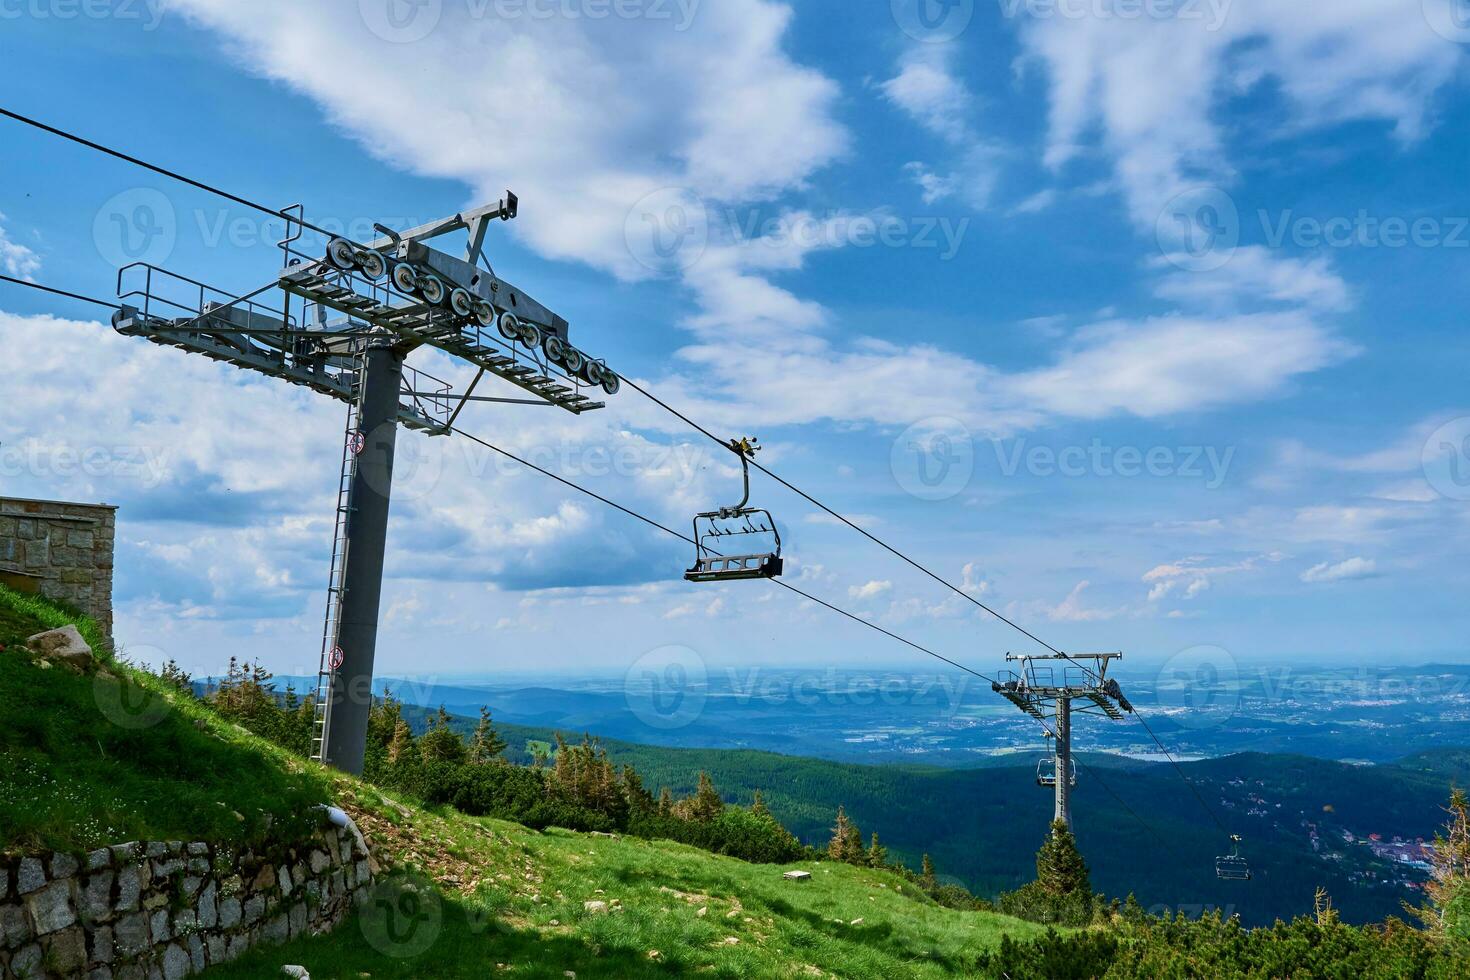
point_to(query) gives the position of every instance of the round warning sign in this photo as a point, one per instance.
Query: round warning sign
(335, 658)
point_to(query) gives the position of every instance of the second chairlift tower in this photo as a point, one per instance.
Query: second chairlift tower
(1083, 690)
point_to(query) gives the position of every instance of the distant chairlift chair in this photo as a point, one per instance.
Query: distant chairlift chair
(1046, 772)
(1232, 867)
(739, 542)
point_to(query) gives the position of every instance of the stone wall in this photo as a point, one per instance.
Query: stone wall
(144, 911)
(61, 551)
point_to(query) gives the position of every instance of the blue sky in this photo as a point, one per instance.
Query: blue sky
(1142, 321)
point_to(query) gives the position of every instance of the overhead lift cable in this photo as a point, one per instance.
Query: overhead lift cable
(174, 175)
(171, 174)
(808, 596)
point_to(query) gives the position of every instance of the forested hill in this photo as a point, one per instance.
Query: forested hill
(982, 826)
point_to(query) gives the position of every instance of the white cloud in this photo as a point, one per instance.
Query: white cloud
(1178, 363)
(1190, 577)
(15, 259)
(1373, 60)
(1252, 275)
(927, 89)
(1351, 568)
(870, 590)
(1072, 609)
(1036, 203)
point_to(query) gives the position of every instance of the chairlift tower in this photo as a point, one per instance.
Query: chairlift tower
(1083, 690)
(346, 323)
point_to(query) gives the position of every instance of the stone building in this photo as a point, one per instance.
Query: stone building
(61, 551)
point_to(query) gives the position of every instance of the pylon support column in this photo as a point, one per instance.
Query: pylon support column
(1064, 761)
(366, 536)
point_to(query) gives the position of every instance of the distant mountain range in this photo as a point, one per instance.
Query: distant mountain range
(1306, 821)
(1140, 826)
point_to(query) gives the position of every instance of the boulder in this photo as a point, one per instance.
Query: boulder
(63, 646)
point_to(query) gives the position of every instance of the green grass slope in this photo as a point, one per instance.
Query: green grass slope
(87, 760)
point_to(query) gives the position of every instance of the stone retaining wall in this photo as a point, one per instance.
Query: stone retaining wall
(61, 551)
(144, 911)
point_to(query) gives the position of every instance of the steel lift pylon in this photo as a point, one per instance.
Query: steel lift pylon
(347, 324)
(1034, 688)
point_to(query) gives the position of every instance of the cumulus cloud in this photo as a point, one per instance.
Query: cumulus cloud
(1343, 571)
(870, 590)
(1372, 60)
(16, 259)
(929, 91)
(1178, 363)
(1190, 577)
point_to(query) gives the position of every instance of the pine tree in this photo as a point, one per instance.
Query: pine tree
(705, 805)
(844, 833)
(639, 799)
(877, 853)
(927, 880)
(665, 802)
(441, 743)
(400, 746)
(1059, 866)
(487, 745)
(759, 807)
(1448, 911)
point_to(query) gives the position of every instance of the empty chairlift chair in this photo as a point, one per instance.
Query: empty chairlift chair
(1232, 867)
(1046, 772)
(739, 542)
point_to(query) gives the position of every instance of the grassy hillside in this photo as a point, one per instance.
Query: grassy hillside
(117, 756)
(513, 901)
(87, 760)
